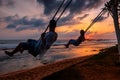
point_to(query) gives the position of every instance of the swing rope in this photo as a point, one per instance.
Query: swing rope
(96, 18)
(58, 11)
(64, 10)
(55, 14)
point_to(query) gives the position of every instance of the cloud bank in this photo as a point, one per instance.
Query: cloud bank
(14, 22)
(50, 6)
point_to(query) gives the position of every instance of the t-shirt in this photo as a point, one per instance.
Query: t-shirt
(80, 39)
(50, 38)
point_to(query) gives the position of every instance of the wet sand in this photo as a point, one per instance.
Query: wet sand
(101, 66)
(42, 71)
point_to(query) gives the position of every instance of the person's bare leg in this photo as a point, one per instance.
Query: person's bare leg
(21, 51)
(67, 45)
(17, 49)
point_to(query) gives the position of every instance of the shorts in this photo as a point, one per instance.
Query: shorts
(74, 42)
(30, 45)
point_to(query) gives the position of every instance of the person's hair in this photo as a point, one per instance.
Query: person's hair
(52, 24)
(82, 32)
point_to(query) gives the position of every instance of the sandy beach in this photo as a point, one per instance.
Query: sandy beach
(42, 71)
(56, 53)
(101, 66)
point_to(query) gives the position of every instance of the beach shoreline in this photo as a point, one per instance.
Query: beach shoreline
(47, 69)
(55, 53)
(102, 65)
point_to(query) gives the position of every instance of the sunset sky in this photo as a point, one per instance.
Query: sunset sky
(23, 19)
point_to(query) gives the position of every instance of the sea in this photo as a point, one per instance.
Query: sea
(57, 52)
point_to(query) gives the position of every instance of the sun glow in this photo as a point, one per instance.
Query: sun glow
(99, 28)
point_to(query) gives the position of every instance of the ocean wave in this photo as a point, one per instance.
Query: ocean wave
(9, 44)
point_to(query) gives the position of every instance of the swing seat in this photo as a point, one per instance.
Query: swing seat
(33, 53)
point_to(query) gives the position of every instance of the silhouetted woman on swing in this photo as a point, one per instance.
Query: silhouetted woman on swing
(78, 41)
(36, 47)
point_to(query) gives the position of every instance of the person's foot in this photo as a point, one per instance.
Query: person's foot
(9, 53)
(21, 51)
(66, 46)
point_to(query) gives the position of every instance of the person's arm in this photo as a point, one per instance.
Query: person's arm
(55, 37)
(43, 38)
(83, 38)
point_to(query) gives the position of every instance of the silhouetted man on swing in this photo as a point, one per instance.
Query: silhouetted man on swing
(78, 41)
(40, 46)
